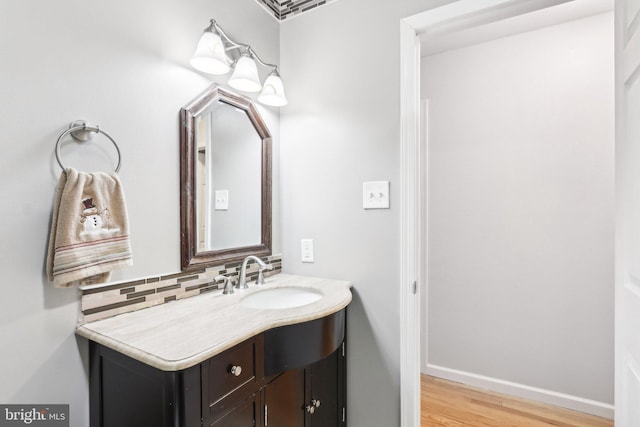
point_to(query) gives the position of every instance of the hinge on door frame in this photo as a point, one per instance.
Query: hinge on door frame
(343, 349)
(344, 414)
(266, 416)
(415, 287)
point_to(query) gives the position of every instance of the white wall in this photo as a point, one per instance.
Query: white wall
(122, 65)
(521, 158)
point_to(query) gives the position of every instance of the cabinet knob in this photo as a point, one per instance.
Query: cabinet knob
(315, 403)
(235, 370)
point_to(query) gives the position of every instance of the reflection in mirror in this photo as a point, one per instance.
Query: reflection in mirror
(225, 180)
(228, 179)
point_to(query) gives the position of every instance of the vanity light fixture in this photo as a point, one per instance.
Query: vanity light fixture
(211, 57)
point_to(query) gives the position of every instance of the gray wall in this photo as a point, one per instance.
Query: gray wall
(122, 65)
(341, 66)
(521, 150)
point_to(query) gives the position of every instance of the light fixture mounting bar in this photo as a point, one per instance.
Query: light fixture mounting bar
(236, 45)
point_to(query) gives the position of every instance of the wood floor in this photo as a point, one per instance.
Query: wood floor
(450, 404)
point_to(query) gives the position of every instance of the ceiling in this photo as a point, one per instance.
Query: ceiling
(286, 9)
(570, 11)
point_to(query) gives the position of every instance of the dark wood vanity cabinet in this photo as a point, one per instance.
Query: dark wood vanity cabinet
(304, 387)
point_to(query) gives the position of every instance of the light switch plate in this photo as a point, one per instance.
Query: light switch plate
(222, 200)
(375, 195)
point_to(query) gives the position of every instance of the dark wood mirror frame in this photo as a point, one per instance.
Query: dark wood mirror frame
(191, 258)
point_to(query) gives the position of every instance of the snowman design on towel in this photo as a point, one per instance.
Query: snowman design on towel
(94, 219)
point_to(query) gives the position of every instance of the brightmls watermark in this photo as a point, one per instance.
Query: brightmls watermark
(34, 415)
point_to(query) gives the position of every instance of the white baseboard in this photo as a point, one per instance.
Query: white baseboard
(562, 400)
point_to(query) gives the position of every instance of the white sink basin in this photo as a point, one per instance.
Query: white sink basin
(279, 298)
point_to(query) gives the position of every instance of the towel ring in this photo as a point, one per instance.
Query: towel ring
(81, 132)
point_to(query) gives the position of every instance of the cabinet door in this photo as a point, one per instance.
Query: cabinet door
(309, 397)
(324, 407)
(284, 400)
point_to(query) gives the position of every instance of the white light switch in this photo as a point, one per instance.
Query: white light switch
(222, 200)
(375, 195)
(306, 247)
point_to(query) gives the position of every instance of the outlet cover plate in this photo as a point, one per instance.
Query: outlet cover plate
(306, 250)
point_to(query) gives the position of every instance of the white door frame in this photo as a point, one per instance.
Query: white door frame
(424, 232)
(627, 280)
(455, 16)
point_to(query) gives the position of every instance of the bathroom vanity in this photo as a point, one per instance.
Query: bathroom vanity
(268, 356)
(246, 359)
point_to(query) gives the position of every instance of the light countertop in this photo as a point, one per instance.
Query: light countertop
(183, 333)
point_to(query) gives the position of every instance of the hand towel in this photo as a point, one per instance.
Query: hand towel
(89, 230)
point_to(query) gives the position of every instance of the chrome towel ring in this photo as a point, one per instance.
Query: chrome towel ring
(81, 132)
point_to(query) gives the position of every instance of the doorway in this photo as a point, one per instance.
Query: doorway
(450, 19)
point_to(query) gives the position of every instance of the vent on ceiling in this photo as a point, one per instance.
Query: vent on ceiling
(285, 9)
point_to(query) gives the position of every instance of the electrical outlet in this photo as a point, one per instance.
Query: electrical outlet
(375, 195)
(306, 247)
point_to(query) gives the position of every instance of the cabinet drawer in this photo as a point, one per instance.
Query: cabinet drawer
(243, 414)
(227, 372)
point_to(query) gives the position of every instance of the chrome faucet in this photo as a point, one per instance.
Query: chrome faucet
(228, 284)
(261, 268)
(242, 281)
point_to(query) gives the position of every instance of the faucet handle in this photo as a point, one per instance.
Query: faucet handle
(228, 284)
(260, 278)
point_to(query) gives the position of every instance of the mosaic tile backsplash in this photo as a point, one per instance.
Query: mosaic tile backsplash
(283, 9)
(110, 300)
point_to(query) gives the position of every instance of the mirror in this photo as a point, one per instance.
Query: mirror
(225, 180)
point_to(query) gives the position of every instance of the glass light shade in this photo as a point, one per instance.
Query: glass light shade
(245, 75)
(210, 56)
(273, 91)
